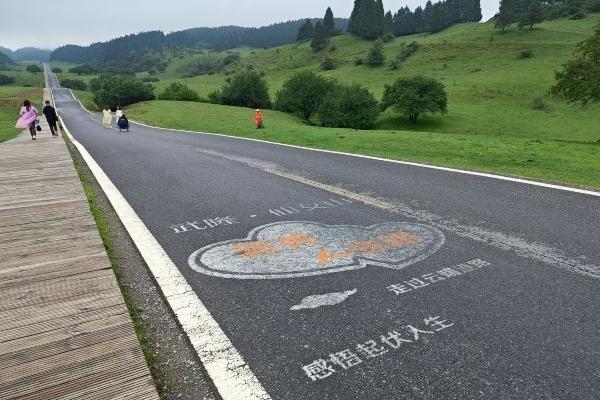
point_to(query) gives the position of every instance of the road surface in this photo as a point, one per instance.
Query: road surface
(337, 277)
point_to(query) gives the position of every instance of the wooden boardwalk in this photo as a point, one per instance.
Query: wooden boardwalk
(65, 332)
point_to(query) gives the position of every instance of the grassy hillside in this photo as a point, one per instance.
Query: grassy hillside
(26, 86)
(490, 90)
(491, 123)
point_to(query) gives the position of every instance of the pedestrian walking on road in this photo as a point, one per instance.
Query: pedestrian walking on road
(118, 114)
(106, 117)
(28, 118)
(258, 119)
(50, 114)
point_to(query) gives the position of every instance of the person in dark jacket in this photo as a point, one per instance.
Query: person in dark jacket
(51, 117)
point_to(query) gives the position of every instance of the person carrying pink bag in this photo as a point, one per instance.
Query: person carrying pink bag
(28, 118)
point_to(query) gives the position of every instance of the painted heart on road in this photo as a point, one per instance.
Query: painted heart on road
(296, 249)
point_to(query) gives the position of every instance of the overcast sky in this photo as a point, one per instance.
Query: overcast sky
(51, 23)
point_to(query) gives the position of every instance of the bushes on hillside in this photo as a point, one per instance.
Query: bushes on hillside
(328, 64)
(179, 92)
(74, 84)
(6, 80)
(349, 107)
(119, 90)
(206, 64)
(57, 70)
(526, 53)
(415, 96)
(84, 69)
(408, 51)
(303, 94)
(244, 89)
(150, 79)
(376, 55)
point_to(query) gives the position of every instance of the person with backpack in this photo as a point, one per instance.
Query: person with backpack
(28, 120)
(50, 114)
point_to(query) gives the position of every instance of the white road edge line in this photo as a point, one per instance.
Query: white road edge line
(225, 365)
(413, 164)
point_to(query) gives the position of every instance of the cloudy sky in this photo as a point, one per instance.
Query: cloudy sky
(51, 23)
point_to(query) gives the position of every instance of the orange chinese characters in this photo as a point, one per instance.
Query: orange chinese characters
(295, 240)
(254, 249)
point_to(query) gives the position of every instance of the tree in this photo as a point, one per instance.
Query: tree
(533, 15)
(376, 55)
(306, 31)
(415, 96)
(119, 90)
(244, 89)
(303, 94)
(349, 107)
(57, 70)
(367, 19)
(75, 84)
(178, 91)
(354, 18)
(329, 22)
(34, 69)
(388, 23)
(579, 81)
(320, 38)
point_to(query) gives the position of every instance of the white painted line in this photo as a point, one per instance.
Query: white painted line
(231, 375)
(413, 164)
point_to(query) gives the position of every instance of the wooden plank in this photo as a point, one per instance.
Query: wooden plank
(65, 332)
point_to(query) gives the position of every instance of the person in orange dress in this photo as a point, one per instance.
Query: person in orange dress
(258, 119)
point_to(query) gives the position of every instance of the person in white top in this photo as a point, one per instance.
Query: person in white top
(118, 114)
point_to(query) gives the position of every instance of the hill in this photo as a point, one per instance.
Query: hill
(142, 48)
(5, 62)
(31, 54)
(501, 116)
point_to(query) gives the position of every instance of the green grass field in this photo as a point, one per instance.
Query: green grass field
(491, 123)
(26, 86)
(576, 163)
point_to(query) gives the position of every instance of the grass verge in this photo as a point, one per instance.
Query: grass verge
(103, 229)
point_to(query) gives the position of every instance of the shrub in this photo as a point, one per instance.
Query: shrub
(349, 107)
(539, 104)
(328, 64)
(178, 91)
(333, 48)
(388, 37)
(244, 89)
(526, 53)
(232, 58)
(303, 94)
(83, 69)
(408, 51)
(395, 65)
(74, 84)
(120, 90)
(414, 96)
(359, 61)
(376, 55)
(152, 71)
(200, 65)
(57, 70)
(5, 79)
(150, 79)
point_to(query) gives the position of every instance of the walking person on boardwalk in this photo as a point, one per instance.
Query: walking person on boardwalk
(258, 119)
(51, 117)
(28, 118)
(106, 117)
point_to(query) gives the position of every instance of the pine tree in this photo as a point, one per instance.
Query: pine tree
(352, 23)
(329, 22)
(388, 23)
(306, 31)
(320, 38)
(506, 15)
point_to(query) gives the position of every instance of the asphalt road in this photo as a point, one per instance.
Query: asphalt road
(338, 277)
